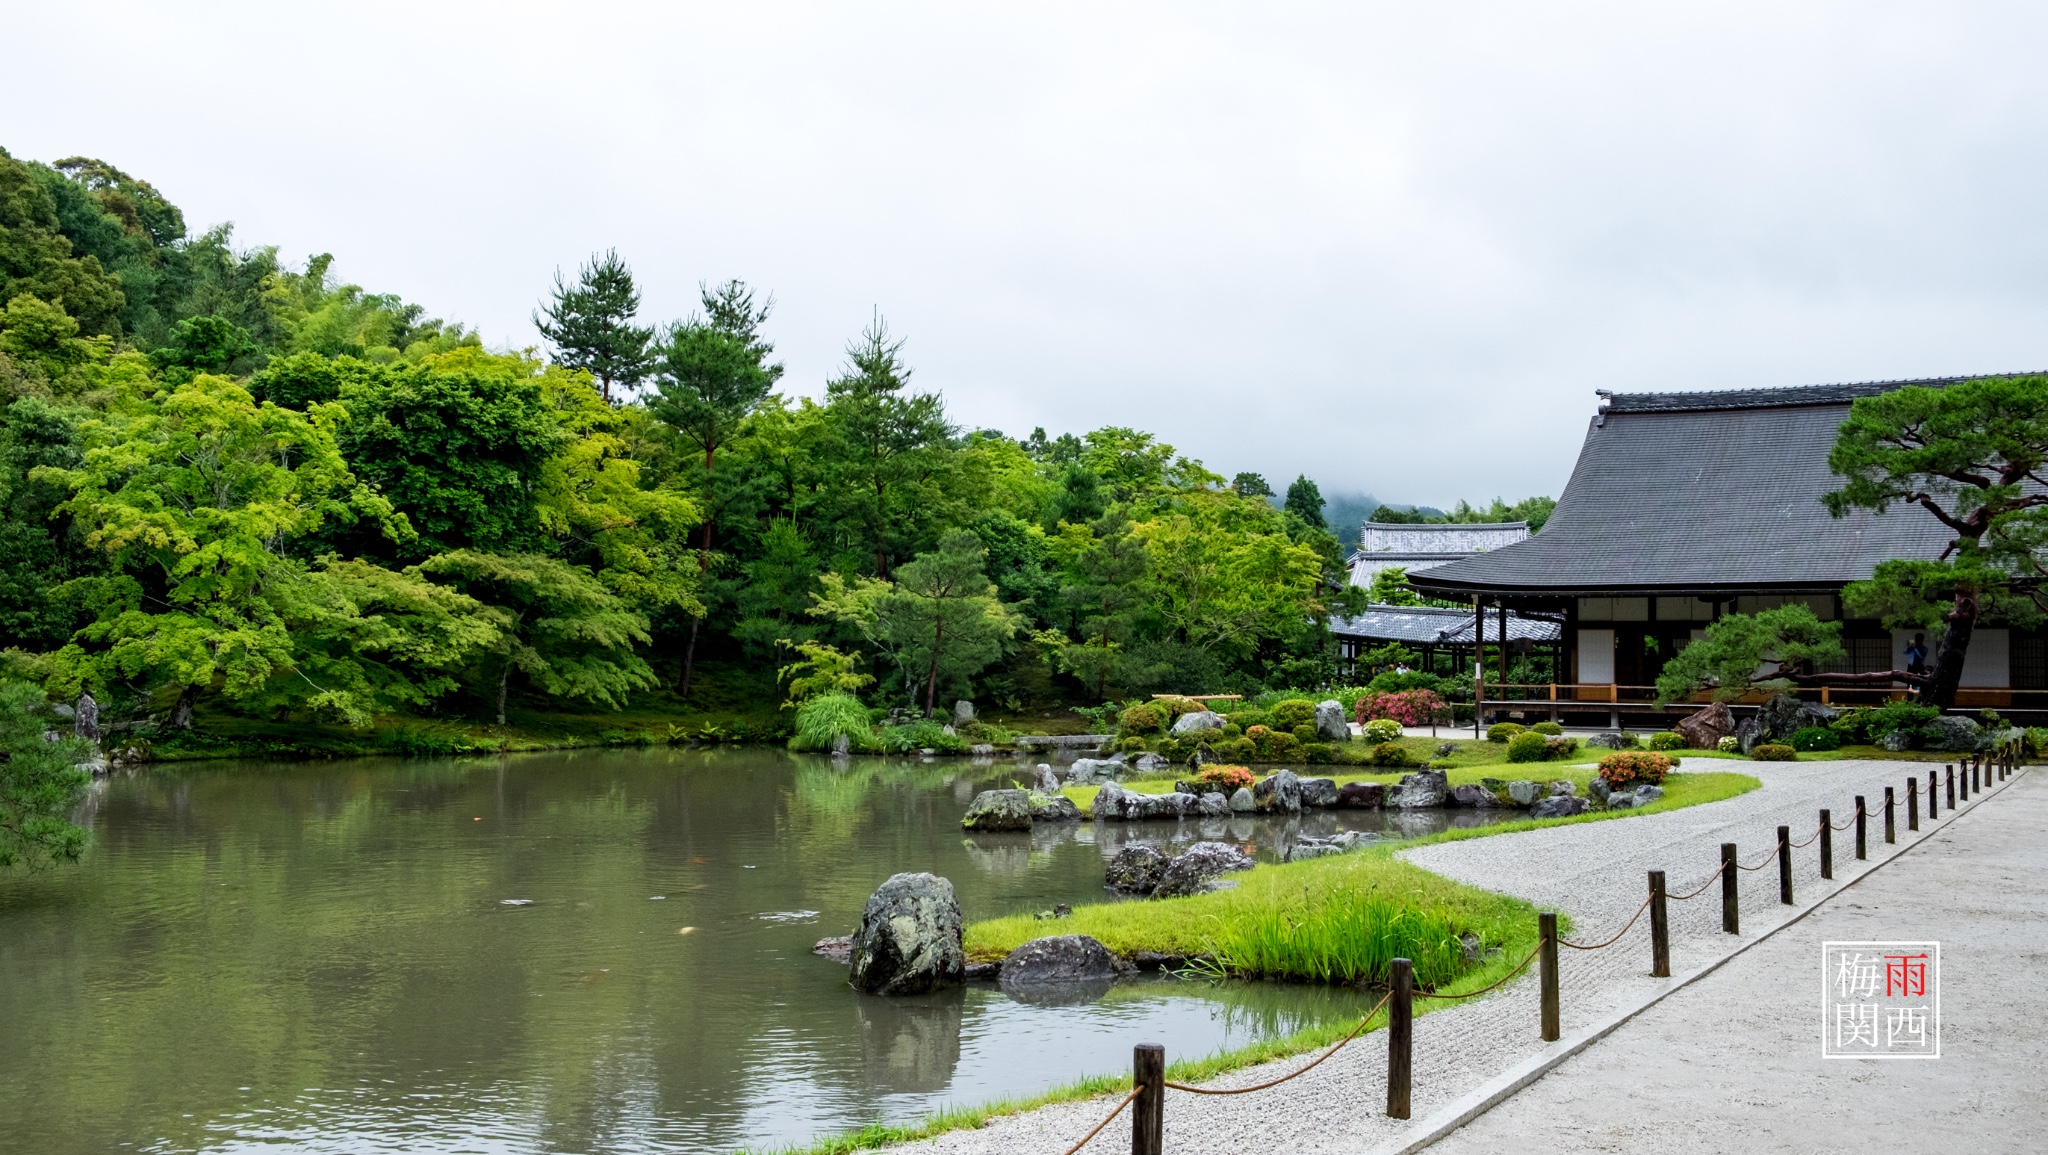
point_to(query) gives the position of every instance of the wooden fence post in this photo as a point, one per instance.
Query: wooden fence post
(1546, 925)
(1891, 824)
(1912, 803)
(1862, 820)
(1148, 1113)
(1933, 789)
(1951, 776)
(1400, 1036)
(1785, 865)
(1731, 917)
(1660, 929)
(1827, 844)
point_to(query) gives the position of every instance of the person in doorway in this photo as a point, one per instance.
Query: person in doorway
(1916, 654)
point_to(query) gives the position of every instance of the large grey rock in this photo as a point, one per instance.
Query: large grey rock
(1705, 728)
(1647, 794)
(1213, 805)
(1478, 797)
(1331, 725)
(1199, 720)
(85, 718)
(1191, 871)
(1606, 741)
(1524, 792)
(1785, 715)
(1424, 790)
(1044, 779)
(1319, 793)
(1621, 800)
(1361, 795)
(909, 937)
(1562, 788)
(999, 810)
(1150, 763)
(842, 745)
(1093, 771)
(1136, 869)
(1054, 808)
(1279, 794)
(1558, 808)
(1115, 804)
(963, 713)
(1896, 741)
(1242, 802)
(1175, 805)
(1066, 970)
(1954, 734)
(1599, 789)
(1749, 732)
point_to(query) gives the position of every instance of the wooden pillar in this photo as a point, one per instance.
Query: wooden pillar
(1501, 639)
(1660, 929)
(1400, 1036)
(1148, 1113)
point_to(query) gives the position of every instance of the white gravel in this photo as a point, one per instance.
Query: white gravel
(1595, 873)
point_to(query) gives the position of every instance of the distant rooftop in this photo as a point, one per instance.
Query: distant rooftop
(1775, 398)
(1384, 545)
(1436, 625)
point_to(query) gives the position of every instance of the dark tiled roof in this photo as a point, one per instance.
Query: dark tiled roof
(1672, 494)
(1434, 625)
(1841, 394)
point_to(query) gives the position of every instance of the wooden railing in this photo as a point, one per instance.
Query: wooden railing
(1615, 693)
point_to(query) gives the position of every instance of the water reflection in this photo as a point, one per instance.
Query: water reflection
(316, 958)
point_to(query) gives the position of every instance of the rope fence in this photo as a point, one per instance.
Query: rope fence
(1148, 1061)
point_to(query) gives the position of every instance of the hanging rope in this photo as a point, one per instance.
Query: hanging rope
(1703, 886)
(1617, 937)
(1341, 1043)
(1099, 1126)
(1492, 986)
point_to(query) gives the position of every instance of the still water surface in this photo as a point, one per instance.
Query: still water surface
(585, 951)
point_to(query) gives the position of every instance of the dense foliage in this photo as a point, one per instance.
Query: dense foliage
(235, 485)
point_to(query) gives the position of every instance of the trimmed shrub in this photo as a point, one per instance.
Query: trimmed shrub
(1318, 752)
(2037, 741)
(1226, 778)
(1503, 731)
(1142, 720)
(1393, 683)
(1634, 768)
(1237, 749)
(1773, 752)
(1560, 747)
(1550, 728)
(1232, 730)
(1280, 747)
(1389, 754)
(1667, 740)
(1293, 714)
(1387, 730)
(1177, 706)
(1251, 716)
(1528, 747)
(1304, 733)
(1816, 738)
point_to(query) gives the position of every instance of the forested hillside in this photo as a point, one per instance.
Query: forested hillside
(238, 488)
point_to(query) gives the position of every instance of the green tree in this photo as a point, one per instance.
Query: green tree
(1969, 456)
(39, 552)
(1251, 485)
(590, 324)
(1390, 587)
(1106, 566)
(777, 591)
(1770, 650)
(40, 782)
(713, 375)
(36, 257)
(194, 494)
(940, 621)
(1305, 501)
(885, 446)
(556, 625)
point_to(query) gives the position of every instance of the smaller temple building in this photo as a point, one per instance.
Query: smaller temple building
(1415, 548)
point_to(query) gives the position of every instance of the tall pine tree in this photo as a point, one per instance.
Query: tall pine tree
(591, 325)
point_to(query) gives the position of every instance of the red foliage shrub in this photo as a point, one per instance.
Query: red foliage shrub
(1225, 778)
(1408, 707)
(1635, 767)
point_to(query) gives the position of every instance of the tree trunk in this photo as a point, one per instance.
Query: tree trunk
(181, 714)
(504, 678)
(931, 688)
(690, 657)
(703, 567)
(1947, 674)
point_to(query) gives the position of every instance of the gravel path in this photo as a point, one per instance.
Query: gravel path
(1594, 872)
(1738, 1053)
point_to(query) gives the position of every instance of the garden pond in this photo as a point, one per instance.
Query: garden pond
(575, 951)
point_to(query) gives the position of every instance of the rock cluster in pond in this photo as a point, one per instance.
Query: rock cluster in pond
(1139, 869)
(908, 941)
(1054, 808)
(1058, 971)
(1113, 803)
(999, 810)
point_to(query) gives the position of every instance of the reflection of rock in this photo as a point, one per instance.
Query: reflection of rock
(909, 938)
(911, 1045)
(1008, 855)
(999, 810)
(1191, 871)
(1061, 971)
(1136, 869)
(1331, 725)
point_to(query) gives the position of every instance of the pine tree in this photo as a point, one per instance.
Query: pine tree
(1305, 501)
(591, 324)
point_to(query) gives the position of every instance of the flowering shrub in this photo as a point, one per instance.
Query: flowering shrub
(1408, 707)
(1728, 744)
(1634, 767)
(1382, 730)
(1225, 778)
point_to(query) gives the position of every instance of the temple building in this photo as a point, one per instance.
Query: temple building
(1684, 507)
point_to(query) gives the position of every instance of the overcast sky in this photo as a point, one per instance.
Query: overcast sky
(1395, 247)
